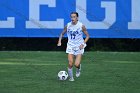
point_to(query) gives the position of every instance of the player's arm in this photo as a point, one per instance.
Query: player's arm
(87, 36)
(61, 36)
(86, 33)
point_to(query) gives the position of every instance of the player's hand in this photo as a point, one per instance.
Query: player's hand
(59, 44)
(81, 46)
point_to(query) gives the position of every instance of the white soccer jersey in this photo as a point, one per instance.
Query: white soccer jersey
(75, 34)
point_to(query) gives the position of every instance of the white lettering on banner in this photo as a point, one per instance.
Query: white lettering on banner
(34, 15)
(81, 7)
(110, 15)
(10, 23)
(135, 24)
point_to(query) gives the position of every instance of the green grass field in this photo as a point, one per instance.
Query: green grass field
(102, 72)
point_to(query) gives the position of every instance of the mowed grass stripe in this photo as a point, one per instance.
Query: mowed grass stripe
(51, 63)
(19, 63)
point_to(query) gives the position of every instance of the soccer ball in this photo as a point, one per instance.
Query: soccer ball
(62, 75)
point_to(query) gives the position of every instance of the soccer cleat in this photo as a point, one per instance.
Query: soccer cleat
(78, 71)
(71, 79)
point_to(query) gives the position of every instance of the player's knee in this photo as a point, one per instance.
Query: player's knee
(70, 61)
(76, 65)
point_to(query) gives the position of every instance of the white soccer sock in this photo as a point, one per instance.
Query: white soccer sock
(70, 72)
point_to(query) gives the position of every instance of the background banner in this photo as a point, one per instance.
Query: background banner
(47, 18)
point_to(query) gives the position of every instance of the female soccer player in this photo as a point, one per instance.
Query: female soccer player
(75, 44)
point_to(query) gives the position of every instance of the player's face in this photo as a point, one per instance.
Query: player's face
(74, 18)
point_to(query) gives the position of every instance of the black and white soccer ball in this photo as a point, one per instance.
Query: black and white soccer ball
(62, 75)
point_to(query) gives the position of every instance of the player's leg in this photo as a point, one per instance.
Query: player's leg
(70, 65)
(77, 64)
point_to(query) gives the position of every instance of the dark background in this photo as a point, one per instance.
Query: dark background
(49, 44)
